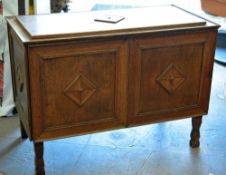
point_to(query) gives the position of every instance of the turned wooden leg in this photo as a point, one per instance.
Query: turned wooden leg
(22, 131)
(39, 161)
(195, 134)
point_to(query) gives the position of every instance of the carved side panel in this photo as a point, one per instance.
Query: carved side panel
(20, 82)
(80, 86)
(167, 76)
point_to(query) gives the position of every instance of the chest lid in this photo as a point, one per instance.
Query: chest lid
(84, 24)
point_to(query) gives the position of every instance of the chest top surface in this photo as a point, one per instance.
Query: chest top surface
(83, 24)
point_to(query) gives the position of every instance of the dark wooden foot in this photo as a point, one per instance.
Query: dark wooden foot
(195, 134)
(22, 131)
(39, 161)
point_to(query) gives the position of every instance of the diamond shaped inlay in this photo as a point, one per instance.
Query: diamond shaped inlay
(80, 89)
(171, 78)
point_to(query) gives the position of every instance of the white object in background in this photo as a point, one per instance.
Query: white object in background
(1, 17)
(7, 105)
(42, 7)
(225, 90)
(10, 7)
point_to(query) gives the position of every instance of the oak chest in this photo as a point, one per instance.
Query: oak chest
(73, 75)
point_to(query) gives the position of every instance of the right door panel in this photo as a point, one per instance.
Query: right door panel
(167, 77)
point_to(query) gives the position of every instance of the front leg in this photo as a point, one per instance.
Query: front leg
(195, 134)
(39, 161)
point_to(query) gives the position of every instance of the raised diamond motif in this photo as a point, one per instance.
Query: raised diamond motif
(171, 78)
(80, 89)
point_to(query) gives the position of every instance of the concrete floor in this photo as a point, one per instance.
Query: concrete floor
(157, 149)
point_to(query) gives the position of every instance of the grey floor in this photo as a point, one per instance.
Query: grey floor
(157, 149)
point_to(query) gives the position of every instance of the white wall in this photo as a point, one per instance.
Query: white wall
(42, 6)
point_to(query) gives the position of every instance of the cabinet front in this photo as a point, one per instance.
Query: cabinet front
(77, 87)
(169, 76)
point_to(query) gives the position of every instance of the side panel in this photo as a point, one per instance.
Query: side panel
(19, 68)
(78, 87)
